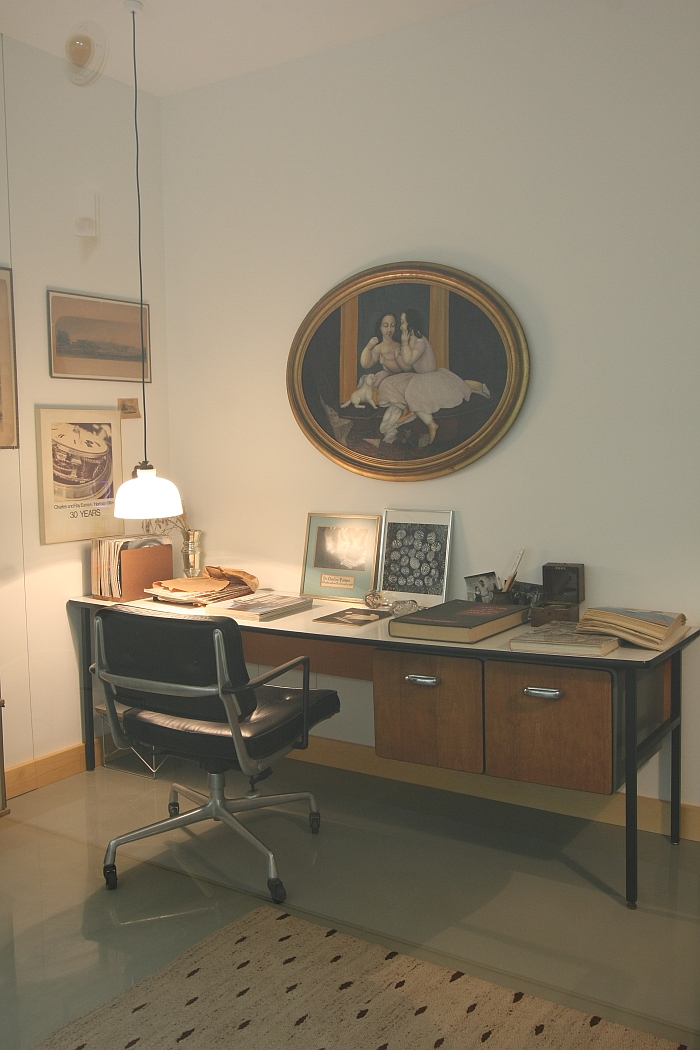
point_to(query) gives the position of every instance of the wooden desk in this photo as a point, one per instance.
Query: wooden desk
(606, 718)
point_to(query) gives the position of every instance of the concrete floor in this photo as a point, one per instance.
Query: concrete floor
(528, 899)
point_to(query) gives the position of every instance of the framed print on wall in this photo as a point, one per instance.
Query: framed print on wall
(96, 338)
(9, 430)
(408, 371)
(340, 556)
(415, 555)
(80, 470)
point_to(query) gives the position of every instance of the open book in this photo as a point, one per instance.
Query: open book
(651, 630)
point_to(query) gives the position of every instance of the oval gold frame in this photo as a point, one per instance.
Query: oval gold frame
(476, 291)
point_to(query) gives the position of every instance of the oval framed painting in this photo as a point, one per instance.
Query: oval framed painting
(408, 371)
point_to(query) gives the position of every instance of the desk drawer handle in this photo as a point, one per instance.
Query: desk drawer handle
(543, 692)
(422, 679)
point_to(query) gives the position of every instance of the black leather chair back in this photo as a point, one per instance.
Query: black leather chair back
(179, 649)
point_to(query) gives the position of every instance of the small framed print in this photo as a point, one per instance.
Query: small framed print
(415, 555)
(97, 338)
(80, 469)
(340, 557)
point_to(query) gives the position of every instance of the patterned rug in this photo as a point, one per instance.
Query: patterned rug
(271, 980)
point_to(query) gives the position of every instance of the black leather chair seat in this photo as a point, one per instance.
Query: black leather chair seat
(277, 718)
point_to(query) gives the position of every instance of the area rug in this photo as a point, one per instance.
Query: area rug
(271, 981)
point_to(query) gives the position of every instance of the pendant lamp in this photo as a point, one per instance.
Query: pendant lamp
(145, 495)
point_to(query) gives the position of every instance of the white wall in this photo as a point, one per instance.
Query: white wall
(551, 149)
(60, 138)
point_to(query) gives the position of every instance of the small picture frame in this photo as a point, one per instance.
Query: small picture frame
(481, 587)
(80, 470)
(97, 338)
(340, 556)
(415, 555)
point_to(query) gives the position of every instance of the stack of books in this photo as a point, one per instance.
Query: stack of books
(562, 638)
(268, 606)
(651, 630)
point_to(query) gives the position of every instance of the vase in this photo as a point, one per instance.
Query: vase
(192, 552)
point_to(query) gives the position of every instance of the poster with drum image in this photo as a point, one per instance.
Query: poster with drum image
(79, 472)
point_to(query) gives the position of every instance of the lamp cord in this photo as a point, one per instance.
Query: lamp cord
(138, 208)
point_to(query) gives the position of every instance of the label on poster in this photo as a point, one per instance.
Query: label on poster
(328, 580)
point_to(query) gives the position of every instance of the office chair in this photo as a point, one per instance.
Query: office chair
(187, 689)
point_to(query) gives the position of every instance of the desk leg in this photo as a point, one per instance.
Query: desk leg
(676, 749)
(86, 687)
(631, 788)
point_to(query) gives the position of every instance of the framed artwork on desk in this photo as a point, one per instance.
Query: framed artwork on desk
(408, 371)
(340, 556)
(415, 556)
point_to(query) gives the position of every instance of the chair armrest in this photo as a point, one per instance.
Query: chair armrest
(269, 676)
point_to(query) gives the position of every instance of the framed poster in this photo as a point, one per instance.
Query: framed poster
(94, 338)
(340, 556)
(408, 371)
(415, 556)
(80, 469)
(9, 430)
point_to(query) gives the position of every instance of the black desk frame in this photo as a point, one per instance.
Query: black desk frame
(637, 753)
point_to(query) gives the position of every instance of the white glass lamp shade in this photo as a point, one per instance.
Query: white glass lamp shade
(147, 496)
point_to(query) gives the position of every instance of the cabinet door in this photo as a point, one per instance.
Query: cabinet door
(437, 722)
(564, 740)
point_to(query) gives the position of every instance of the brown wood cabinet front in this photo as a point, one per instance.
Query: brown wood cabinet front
(564, 740)
(428, 709)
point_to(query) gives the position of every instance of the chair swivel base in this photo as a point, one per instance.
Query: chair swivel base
(215, 806)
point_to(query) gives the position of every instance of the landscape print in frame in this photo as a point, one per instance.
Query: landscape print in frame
(408, 371)
(80, 470)
(9, 431)
(96, 338)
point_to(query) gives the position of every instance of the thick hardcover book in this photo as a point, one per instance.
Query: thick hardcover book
(651, 630)
(459, 621)
(563, 638)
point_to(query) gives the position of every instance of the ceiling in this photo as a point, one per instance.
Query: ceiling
(186, 43)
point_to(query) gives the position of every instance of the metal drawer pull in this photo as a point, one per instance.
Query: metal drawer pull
(543, 692)
(422, 679)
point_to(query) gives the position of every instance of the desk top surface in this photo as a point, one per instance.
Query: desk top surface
(303, 624)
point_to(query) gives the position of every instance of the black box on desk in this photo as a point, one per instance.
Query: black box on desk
(564, 590)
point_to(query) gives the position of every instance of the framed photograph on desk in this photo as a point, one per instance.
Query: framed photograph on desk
(340, 556)
(415, 555)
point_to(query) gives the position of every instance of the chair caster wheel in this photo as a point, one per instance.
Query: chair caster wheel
(277, 890)
(174, 809)
(110, 873)
(315, 822)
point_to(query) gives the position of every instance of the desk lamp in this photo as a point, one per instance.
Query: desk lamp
(145, 495)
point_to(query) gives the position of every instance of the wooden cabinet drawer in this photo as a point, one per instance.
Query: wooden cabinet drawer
(565, 741)
(437, 724)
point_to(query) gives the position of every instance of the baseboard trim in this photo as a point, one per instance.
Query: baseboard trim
(652, 813)
(39, 772)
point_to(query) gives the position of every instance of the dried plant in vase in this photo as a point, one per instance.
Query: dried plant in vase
(191, 550)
